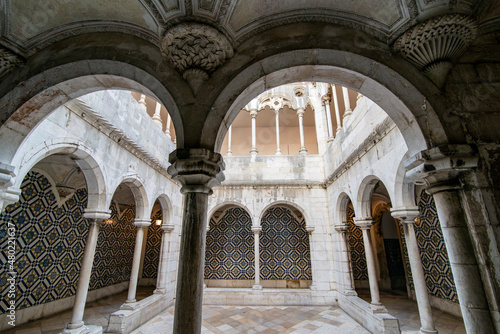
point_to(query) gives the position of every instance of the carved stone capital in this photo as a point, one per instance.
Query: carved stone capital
(97, 215)
(341, 228)
(300, 112)
(433, 44)
(326, 98)
(439, 167)
(8, 61)
(364, 223)
(405, 214)
(253, 113)
(141, 222)
(256, 229)
(196, 50)
(197, 170)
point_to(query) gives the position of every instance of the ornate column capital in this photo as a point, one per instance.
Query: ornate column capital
(300, 112)
(405, 214)
(364, 223)
(142, 222)
(256, 229)
(253, 113)
(433, 44)
(440, 167)
(196, 169)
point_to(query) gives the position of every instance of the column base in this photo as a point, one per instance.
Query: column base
(83, 329)
(426, 331)
(257, 287)
(278, 152)
(330, 139)
(129, 305)
(378, 308)
(303, 151)
(350, 293)
(160, 291)
(254, 152)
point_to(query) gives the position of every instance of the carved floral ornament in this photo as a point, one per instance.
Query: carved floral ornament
(8, 61)
(433, 44)
(196, 50)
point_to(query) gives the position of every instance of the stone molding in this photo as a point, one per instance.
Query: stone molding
(256, 229)
(141, 222)
(8, 61)
(433, 44)
(196, 46)
(439, 167)
(197, 169)
(344, 228)
(94, 118)
(167, 228)
(97, 215)
(364, 223)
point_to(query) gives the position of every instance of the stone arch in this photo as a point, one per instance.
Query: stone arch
(166, 207)
(235, 203)
(402, 101)
(404, 189)
(343, 201)
(364, 197)
(284, 202)
(285, 253)
(136, 185)
(27, 105)
(229, 254)
(84, 158)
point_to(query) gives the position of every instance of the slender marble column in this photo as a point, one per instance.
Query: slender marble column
(461, 252)
(347, 277)
(167, 130)
(347, 103)
(444, 169)
(197, 170)
(337, 111)
(141, 224)
(157, 117)
(142, 101)
(310, 230)
(300, 113)
(326, 103)
(229, 137)
(161, 282)
(365, 224)
(76, 324)
(407, 217)
(256, 232)
(278, 150)
(253, 150)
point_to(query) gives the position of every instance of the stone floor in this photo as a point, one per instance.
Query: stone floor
(253, 319)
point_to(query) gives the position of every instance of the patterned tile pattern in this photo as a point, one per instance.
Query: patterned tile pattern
(50, 242)
(153, 244)
(437, 270)
(438, 275)
(357, 248)
(284, 246)
(115, 249)
(230, 246)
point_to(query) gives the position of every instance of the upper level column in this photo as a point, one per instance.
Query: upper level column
(300, 113)
(197, 170)
(325, 99)
(443, 169)
(253, 150)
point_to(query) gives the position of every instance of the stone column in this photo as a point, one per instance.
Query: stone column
(197, 170)
(253, 150)
(278, 150)
(161, 282)
(167, 130)
(442, 169)
(365, 224)
(347, 103)
(346, 277)
(337, 111)
(157, 117)
(76, 324)
(407, 217)
(229, 137)
(310, 230)
(141, 224)
(300, 113)
(142, 101)
(326, 103)
(256, 232)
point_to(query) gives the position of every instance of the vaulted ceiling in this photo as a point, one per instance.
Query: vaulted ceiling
(27, 26)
